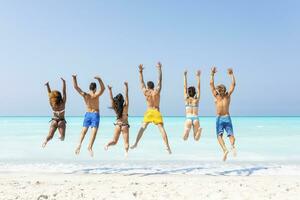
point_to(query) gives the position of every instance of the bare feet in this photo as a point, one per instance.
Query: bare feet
(91, 152)
(233, 149)
(77, 151)
(225, 155)
(44, 144)
(106, 147)
(133, 146)
(169, 151)
(198, 135)
(126, 154)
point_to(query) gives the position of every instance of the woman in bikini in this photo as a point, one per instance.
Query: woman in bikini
(192, 99)
(57, 103)
(120, 106)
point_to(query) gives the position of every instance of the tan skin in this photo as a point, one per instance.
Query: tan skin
(193, 111)
(91, 100)
(61, 126)
(124, 119)
(222, 102)
(153, 102)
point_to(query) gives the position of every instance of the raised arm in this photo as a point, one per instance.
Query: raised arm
(198, 85)
(102, 86)
(48, 87)
(212, 81)
(185, 89)
(126, 94)
(141, 68)
(231, 89)
(75, 84)
(64, 90)
(111, 95)
(159, 84)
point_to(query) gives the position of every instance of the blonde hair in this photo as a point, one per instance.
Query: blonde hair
(55, 98)
(221, 87)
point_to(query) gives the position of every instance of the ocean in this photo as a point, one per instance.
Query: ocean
(266, 145)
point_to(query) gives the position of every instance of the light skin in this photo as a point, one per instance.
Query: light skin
(61, 126)
(124, 119)
(222, 102)
(192, 111)
(91, 100)
(153, 102)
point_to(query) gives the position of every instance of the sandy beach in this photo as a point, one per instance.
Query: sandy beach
(101, 186)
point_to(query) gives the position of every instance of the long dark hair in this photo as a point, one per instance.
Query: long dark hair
(118, 105)
(192, 91)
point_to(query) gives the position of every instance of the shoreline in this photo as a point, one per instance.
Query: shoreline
(117, 186)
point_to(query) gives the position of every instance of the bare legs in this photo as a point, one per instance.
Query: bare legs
(232, 142)
(82, 135)
(196, 129)
(92, 140)
(161, 129)
(125, 132)
(52, 130)
(187, 129)
(165, 137)
(115, 138)
(223, 146)
(140, 134)
(62, 130)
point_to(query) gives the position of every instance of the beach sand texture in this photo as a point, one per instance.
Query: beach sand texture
(109, 187)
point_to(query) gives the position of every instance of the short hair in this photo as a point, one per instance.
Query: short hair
(221, 87)
(93, 86)
(191, 91)
(150, 85)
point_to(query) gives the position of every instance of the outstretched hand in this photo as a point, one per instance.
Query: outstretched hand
(230, 71)
(141, 68)
(109, 87)
(213, 70)
(74, 75)
(63, 79)
(159, 65)
(126, 83)
(97, 78)
(47, 83)
(185, 72)
(198, 73)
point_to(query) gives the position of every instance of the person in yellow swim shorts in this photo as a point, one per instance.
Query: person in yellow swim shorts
(153, 114)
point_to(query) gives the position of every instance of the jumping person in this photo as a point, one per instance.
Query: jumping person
(192, 99)
(153, 114)
(120, 106)
(92, 116)
(222, 101)
(57, 103)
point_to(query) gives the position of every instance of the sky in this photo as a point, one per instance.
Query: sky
(44, 40)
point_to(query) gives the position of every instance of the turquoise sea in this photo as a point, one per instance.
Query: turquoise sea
(266, 145)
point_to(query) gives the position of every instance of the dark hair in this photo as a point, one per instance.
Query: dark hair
(118, 105)
(191, 91)
(93, 86)
(150, 85)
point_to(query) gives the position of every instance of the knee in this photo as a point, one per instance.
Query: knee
(144, 126)
(50, 137)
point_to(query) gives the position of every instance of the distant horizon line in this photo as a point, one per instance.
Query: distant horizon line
(163, 116)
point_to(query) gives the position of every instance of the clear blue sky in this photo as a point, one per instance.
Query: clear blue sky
(43, 40)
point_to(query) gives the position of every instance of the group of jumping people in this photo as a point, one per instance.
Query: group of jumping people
(120, 105)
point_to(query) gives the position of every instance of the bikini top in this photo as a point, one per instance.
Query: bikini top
(187, 105)
(57, 113)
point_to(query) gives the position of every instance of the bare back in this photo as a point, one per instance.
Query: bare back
(92, 102)
(192, 106)
(152, 98)
(222, 105)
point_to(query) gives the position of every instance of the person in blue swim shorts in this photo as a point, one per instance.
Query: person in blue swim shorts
(223, 122)
(92, 116)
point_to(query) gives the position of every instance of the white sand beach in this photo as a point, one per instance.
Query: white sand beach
(101, 186)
